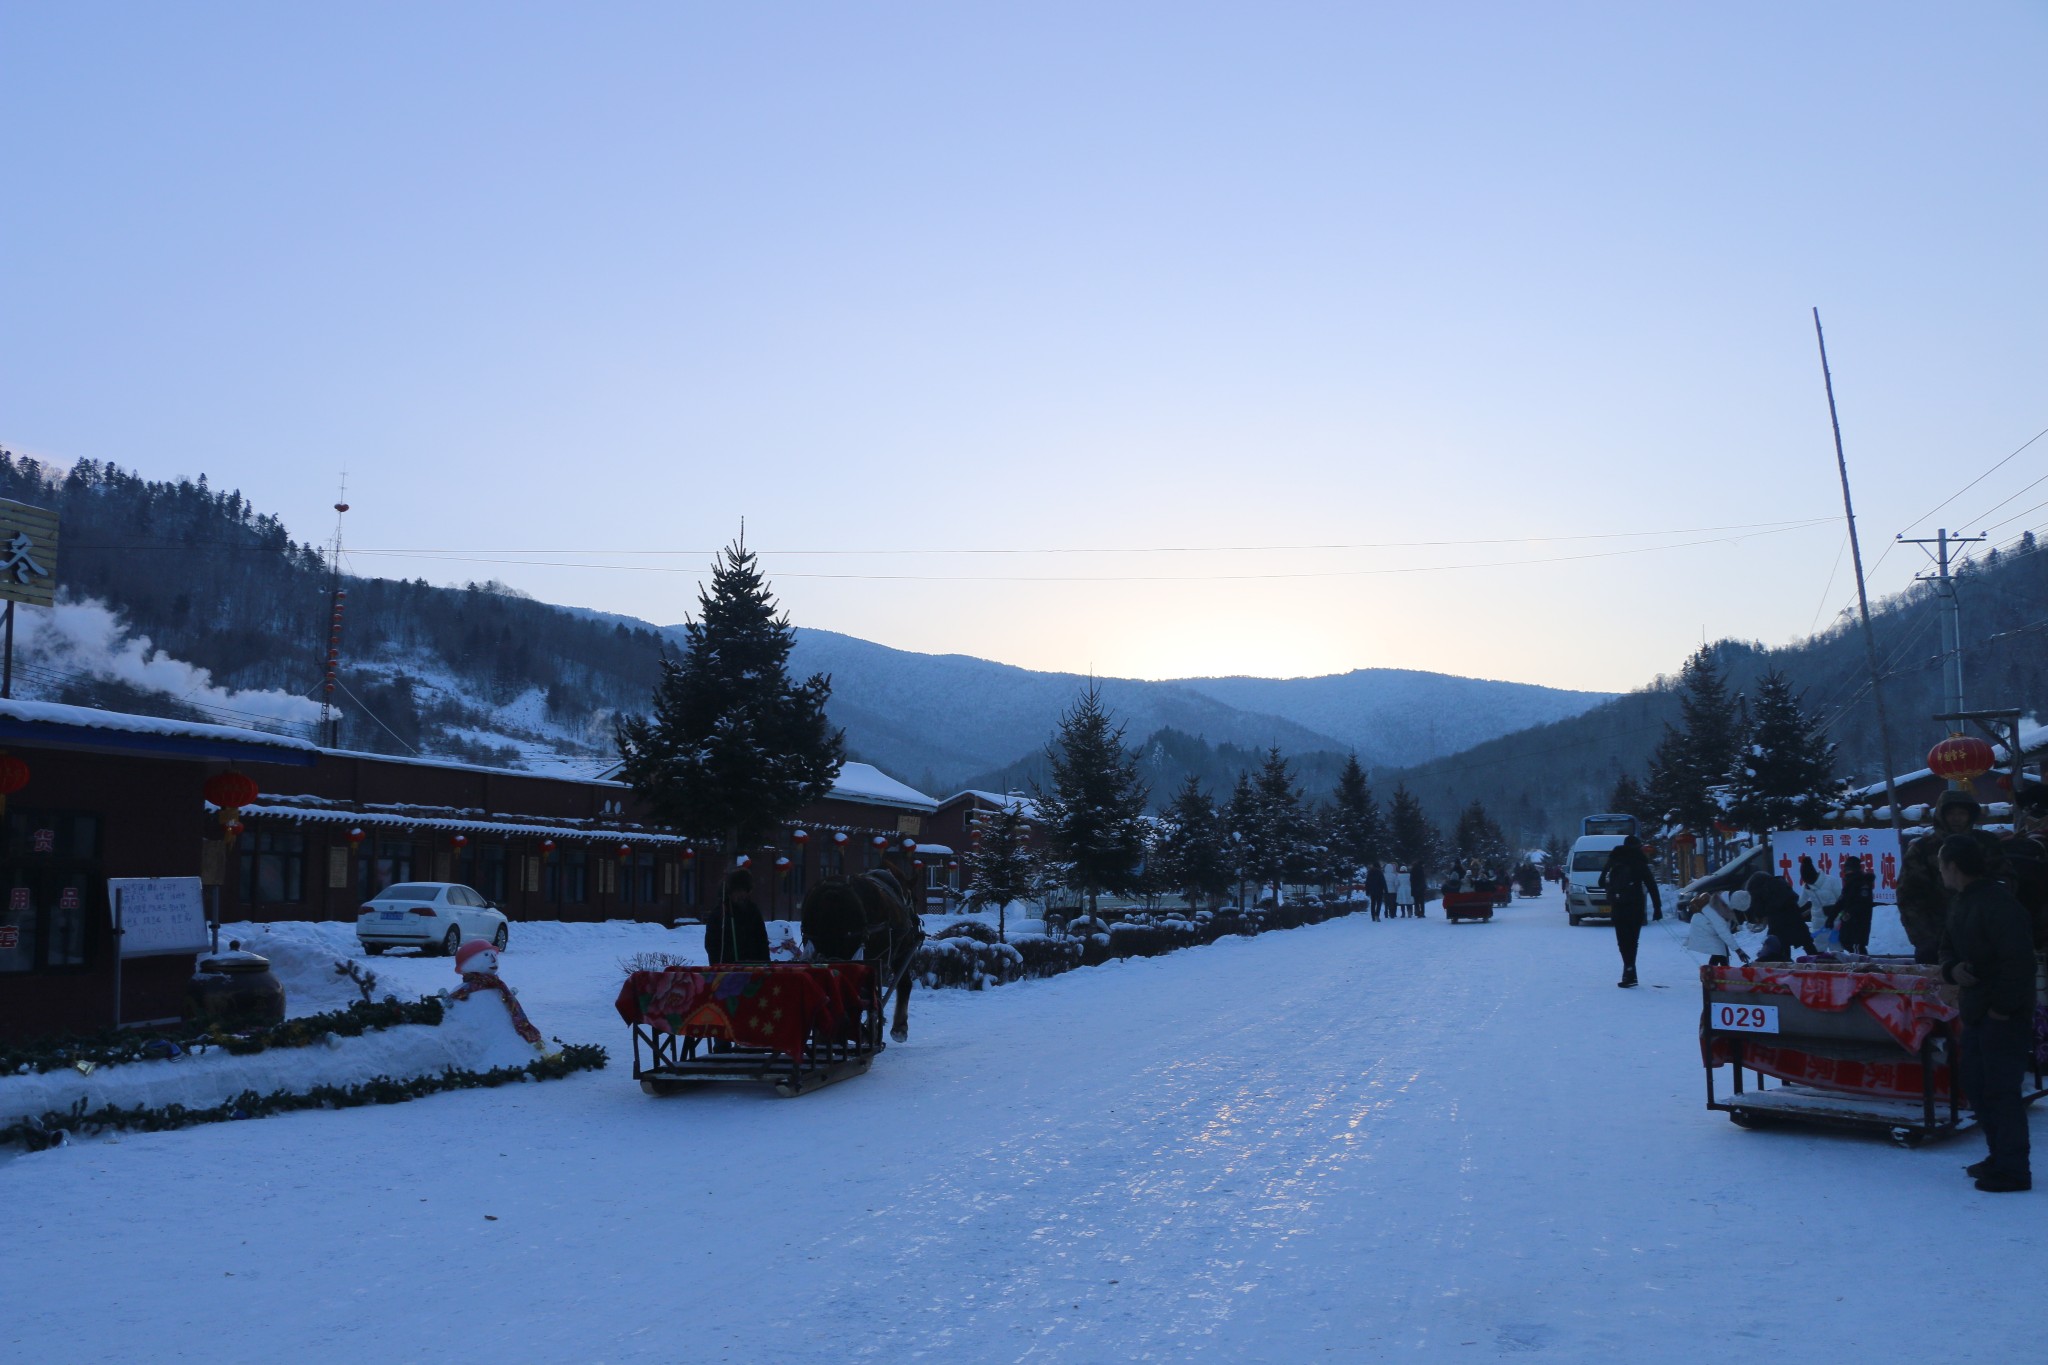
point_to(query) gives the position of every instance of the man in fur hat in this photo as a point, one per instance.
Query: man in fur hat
(1923, 899)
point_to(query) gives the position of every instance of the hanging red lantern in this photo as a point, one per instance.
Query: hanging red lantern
(625, 850)
(910, 845)
(917, 862)
(460, 841)
(547, 847)
(782, 862)
(881, 841)
(1960, 758)
(13, 777)
(689, 855)
(743, 860)
(355, 838)
(800, 837)
(952, 865)
(840, 837)
(231, 791)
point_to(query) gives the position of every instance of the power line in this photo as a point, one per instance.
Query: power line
(1974, 482)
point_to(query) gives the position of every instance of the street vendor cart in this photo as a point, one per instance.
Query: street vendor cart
(795, 1025)
(1865, 1044)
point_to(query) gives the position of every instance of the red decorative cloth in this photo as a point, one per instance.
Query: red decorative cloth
(781, 1005)
(472, 982)
(1910, 1005)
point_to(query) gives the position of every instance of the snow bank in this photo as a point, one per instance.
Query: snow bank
(475, 1035)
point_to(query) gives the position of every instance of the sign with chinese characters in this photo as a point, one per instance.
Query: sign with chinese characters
(28, 554)
(158, 915)
(1879, 849)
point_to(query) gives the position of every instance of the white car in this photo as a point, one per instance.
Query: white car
(429, 916)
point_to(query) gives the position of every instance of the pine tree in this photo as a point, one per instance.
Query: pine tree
(1786, 776)
(1190, 848)
(1357, 832)
(1004, 870)
(1093, 812)
(1409, 831)
(1690, 762)
(1479, 838)
(1282, 824)
(1241, 820)
(734, 744)
(1629, 798)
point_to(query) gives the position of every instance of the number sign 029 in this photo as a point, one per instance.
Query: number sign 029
(1726, 1018)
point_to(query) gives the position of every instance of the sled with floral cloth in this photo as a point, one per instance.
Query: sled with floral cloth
(796, 1025)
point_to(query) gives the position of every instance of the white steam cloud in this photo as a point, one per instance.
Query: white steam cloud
(85, 638)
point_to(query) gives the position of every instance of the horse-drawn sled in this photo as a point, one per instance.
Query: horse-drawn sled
(1474, 904)
(795, 1025)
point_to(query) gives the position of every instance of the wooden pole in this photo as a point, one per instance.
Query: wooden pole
(1884, 729)
(7, 668)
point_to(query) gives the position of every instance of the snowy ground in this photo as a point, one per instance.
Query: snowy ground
(1353, 1141)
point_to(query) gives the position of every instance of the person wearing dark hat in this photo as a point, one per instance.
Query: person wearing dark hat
(1859, 895)
(1987, 949)
(734, 931)
(1923, 897)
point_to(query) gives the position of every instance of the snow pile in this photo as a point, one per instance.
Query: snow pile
(475, 1035)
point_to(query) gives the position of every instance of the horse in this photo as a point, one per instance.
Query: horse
(873, 914)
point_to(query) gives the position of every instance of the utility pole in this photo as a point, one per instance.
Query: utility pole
(330, 717)
(1884, 729)
(1951, 608)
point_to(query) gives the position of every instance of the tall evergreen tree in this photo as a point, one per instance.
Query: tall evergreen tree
(1629, 798)
(1414, 839)
(1241, 822)
(1479, 838)
(1190, 849)
(1092, 811)
(1785, 778)
(1357, 832)
(1282, 824)
(1004, 869)
(734, 745)
(1698, 756)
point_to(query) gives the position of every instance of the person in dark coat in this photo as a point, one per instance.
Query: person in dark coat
(1987, 948)
(1923, 895)
(1418, 887)
(1629, 885)
(1376, 888)
(735, 931)
(1859, 896)
(1785, 927)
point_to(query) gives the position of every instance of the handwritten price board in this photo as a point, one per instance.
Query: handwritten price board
(1743, 1018)
(159, 915)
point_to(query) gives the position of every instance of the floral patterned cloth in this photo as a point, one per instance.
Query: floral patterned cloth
(783, 1006)
(1910, 1004)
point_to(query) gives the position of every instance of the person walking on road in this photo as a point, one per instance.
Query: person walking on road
(1376, 889)
(1987, 948)
(1629, 883)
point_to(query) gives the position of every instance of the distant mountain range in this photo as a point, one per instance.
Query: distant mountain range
(937, 720)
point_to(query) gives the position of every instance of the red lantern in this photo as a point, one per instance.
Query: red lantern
(881, 841)
(917, 862)
(460, 841)
(952, 865)
(689, 855)
(1960, 758)
(743, 860)
(547, 846)
(910, 845)
(13, 777)
(840, 837)
(801, 837)
(782, 862)
(231, 791)
(355, 838)
(625, 850)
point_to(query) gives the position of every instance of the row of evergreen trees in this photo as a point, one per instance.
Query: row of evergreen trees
(1757, 762)
(1090, 816)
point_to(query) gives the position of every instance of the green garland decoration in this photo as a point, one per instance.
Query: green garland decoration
(112, 1047)
(58, 1126)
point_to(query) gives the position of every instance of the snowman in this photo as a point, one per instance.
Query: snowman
(476, 962)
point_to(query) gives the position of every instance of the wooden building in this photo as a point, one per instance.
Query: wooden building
(106, 795)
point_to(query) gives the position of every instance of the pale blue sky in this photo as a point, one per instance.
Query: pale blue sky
(1054, 276)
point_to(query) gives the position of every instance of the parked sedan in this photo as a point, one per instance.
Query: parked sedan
(429, 916)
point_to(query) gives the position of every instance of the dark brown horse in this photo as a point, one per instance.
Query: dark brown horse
(873, 914)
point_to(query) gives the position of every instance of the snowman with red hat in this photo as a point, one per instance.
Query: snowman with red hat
(476, 962)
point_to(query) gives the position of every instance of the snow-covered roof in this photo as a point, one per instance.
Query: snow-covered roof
(865, 783)
(457, 765)
(456, 825)
(2033, 740)
(1000, 800)
(59, 724)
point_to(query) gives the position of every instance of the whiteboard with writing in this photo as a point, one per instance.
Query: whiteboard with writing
(159, 915)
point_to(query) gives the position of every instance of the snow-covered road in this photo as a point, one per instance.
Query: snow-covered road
(1357, 1140)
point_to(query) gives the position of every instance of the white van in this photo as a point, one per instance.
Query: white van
(1583, 898)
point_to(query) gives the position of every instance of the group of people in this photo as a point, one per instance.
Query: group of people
(1396, 891)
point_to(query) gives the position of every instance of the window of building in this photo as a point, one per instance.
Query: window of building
(646, 885)
(573, 879)
(383, 863)
(49, 872)
(273, 870)
(490, 873)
